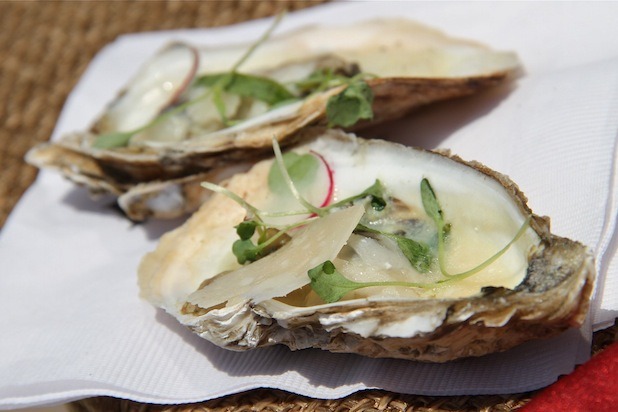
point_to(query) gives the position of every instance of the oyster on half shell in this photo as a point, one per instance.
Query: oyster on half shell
(406, 65)
(538, 287)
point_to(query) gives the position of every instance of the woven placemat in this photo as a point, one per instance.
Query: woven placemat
(44, 49)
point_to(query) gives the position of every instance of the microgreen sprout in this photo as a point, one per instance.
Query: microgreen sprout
(418, 254)
(351, 105)
(375, 192)
(286, 177)
(120, 139)
(346, 108)
(269, 239)
(434, 211)
(301, 169)
(330, 285)
(269, 234)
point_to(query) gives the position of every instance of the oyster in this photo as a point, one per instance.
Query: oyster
(197, 119)
(394, 252)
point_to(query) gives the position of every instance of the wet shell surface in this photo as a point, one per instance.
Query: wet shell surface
(537, 288)
(407, 65)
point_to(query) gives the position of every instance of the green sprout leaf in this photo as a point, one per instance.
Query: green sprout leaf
(375, 191)
(434, 210)
(245, 251)
(351, 105)
(246, 85)
(280, 162)
(492, 259)
(331, 286)
(430, 203)
(246, 229)
(301, 169)
(418, 254)
(121, 139)
(320, 80)
(111, 140)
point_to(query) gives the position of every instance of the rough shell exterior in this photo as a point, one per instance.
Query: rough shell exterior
(553, 297)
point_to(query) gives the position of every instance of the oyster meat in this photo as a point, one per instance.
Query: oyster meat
(190, 110)
(369, 247)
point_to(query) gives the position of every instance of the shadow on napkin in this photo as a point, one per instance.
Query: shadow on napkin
(79, 199)
(431, 125)
(326, 369)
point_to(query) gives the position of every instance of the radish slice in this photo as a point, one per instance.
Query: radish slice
(331, 180)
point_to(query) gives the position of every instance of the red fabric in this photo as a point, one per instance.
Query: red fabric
(592, 387)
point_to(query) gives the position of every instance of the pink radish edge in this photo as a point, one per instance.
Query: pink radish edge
(331, 180)
(187, 81)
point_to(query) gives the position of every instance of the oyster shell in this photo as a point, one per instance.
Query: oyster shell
(539, 287)
(413, 66)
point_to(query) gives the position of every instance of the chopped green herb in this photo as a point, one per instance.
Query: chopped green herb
(301, 169)
(351, 105)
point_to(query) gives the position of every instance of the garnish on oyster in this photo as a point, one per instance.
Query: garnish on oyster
(189, 110)
(376, 249)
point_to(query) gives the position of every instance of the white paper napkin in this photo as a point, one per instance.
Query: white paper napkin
(72, 324)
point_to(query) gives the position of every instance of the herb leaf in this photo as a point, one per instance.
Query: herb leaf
(351, 105)
(320, 80)
(246, 85)
(376, 191)
(121, 139)
(418, 254)
(300, 168)
(430, 203)
(113, 139)
(246, 229)
(245, 251)
(329, 284)
(434, 211)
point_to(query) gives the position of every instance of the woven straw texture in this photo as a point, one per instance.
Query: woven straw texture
(44, 49)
